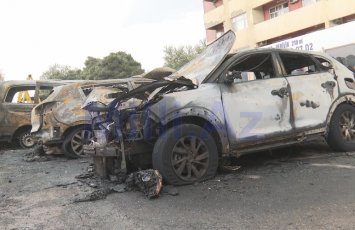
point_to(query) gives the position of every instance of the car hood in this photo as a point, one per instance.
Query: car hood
(205, 63)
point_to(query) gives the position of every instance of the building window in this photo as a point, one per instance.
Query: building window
(278, 10)
(240, 22)
(309, 2)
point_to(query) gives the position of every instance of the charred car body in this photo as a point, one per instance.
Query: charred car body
(220, 105)
(17, 99)
(59, 123)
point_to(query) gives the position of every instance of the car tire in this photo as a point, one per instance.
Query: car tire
(185, 154)
(24, 139)
(341, 135)
(73, 142)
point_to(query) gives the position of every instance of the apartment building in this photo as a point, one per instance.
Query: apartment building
(263, 22)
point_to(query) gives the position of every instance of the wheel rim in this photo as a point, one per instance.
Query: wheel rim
(190, 158)
(79, 139)
(347, 123)
(27, 141)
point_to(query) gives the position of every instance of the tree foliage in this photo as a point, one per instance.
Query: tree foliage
(61, 72)
(113, 66)
(176, 57)
(2, 78)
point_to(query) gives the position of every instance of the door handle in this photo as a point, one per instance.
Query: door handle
(328, 84)
(283, 92)
(309, 104)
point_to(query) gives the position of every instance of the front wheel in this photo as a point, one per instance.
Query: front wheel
(341, 136)
(185, 154)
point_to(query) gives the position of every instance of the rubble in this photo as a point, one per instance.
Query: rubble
(37, 154)
(149, 182)
(98, 194)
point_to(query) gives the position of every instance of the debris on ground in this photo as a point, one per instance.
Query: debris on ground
(150, 182)
(229, 165)
(37, 154)
(120, 188)
(85, 176)
(98, 194)
(170, 190)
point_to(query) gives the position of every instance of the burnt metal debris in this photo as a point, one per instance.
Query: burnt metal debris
(149, 182)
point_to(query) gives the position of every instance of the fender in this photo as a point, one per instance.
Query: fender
(200, 112)
(348, 98)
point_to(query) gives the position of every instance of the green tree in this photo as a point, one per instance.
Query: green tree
(61, 72)
(176, 57)
(115, 65)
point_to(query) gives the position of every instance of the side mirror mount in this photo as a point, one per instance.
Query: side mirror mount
(231, 75)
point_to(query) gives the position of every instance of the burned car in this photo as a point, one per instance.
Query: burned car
(59, 123)
(17, 99)
(224, 104)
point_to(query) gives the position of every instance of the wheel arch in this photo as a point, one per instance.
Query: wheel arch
(345, 99)
(203, 118)
(71, 128)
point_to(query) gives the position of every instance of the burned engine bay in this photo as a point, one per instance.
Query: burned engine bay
(122, 127)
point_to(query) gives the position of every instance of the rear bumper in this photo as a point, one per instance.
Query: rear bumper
(50, 136)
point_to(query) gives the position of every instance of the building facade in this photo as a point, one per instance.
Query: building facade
(263, 22)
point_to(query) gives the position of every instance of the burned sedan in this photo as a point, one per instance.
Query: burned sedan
(221, 105)
(59, 123)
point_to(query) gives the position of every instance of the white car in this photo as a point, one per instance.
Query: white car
(224, 104)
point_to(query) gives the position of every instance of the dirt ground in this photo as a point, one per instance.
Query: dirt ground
(300, 187)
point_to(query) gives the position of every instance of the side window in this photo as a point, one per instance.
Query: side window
(44, 92)
(324, 62)
(21, 95)
(298, 64)
(252, 67)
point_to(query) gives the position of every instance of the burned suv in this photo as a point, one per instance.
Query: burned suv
(224, 104)
(17, 99)
(59, 123)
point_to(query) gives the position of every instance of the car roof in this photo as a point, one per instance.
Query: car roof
(261, 49)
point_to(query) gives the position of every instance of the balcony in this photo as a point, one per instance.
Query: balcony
(259, 3)
(293, 21)
(214, 17)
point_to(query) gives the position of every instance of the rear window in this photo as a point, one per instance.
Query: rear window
(21, 95)
(298, 64)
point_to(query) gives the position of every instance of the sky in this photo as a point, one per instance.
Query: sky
(35, 34)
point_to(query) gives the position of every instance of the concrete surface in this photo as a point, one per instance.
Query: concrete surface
(300, 187)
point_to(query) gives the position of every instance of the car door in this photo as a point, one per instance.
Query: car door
(313, 89)
(256, 104)
(18, 103)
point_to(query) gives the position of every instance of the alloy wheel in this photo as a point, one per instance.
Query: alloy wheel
(190, 158)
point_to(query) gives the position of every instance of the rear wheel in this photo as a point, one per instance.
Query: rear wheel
(185, 154)
(24, 139)
(341, 136)
(75, 140)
